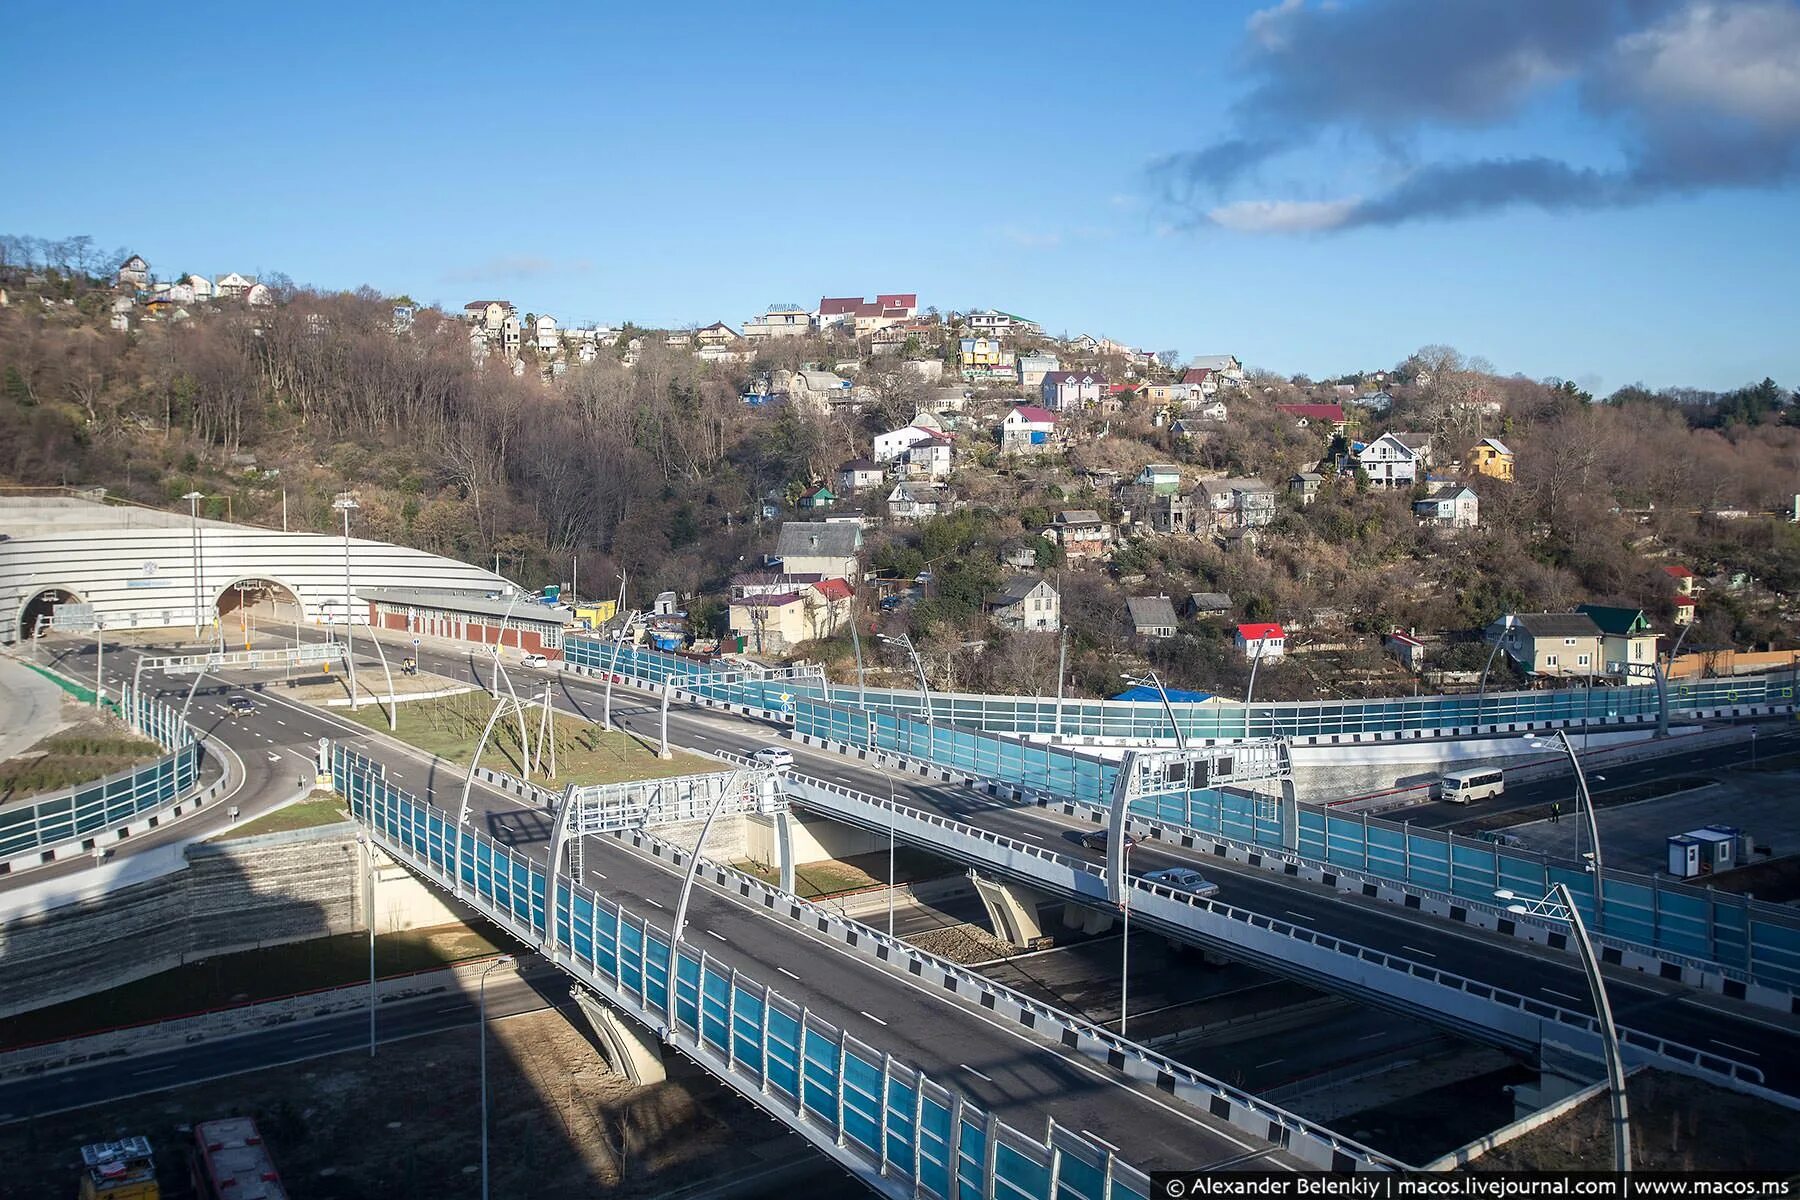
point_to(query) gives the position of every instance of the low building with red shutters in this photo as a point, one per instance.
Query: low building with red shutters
(485, 617)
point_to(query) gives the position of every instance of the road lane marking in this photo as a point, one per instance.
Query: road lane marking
(1564, 995)
(718, 935)
(1270, 1063)
(1416, 950)
(964, 1066)
(313, 1037)
(879, 1021)
(789, 974)
(1094, 1137)
(451, 1008)
(1301, 915)
(652, 900)
(1739, 1049)
(1369, 1037)
(154, 1070)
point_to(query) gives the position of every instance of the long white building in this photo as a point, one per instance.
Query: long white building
(145, 568)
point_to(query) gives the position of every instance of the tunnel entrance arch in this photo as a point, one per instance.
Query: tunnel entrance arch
(38, 607)
(255, 602)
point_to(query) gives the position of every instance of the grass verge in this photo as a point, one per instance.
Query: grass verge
(834, 877)
(321, 808)
(450, 726)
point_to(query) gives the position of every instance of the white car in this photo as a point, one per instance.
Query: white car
(773, 756)
(536, 661)
(1184, 879)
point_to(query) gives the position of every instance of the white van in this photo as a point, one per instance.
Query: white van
(1460, 787)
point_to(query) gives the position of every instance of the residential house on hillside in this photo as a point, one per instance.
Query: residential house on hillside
(1028, 429)
(1490, 457)
(1200, 381)
(202, 287)
(827, 549)
(929, 458)
(1081, 533)
(1164, 510)
(1305, 486)
(817, 390)
(1261, 641)
(1448, 506)
(986, 358)
(544, 334)
(1329, 417)
(1163, 477)
(859, 473)
(232, 286)
(891, 445)
(1550, 644)
(133, 273)
(779, 321)
(1225, 367)
(1201, 605)
(915, 501)
(1682, 580)
(1243, 502)
(1627, 643)
(716, 334)
(1151, 616)
(774, 622)
(1066, 391)
(817, 498)
(861, 318)
(1407, 648)
(1374, 402)
(993, 323)
(1034, 366)
(1026, 602)
(261, 295)
(1394, 460)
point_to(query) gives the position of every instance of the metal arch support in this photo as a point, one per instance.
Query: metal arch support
(192, 688)
(733, 786)
(559, 838)
(462, 812)
(1115, 828)
(393, 704)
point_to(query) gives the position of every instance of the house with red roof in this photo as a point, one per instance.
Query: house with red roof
(1683, 579)
(1327, 416)
(1261, 640)
(863, 318)
(1028, 429)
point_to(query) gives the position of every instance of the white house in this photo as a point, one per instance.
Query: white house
(891, 445)
(1449, 506)
(1028, 429)
(817, 390)
(990, 322)
(259, 295)
(779, 321)
(1261, 640)
(1027, 602)
(930, 458)
(1067, 390)
(545, 336)
(1394, 460)
(201, 285)
(1225, 366)
(232, 286)
(1034, 366)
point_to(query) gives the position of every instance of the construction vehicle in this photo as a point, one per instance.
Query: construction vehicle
(121, 1170)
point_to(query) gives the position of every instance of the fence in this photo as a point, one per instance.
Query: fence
(1139, 720)
(898, 1131)
(42, 825)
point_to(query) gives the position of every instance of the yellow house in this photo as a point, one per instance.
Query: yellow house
(1490, 457)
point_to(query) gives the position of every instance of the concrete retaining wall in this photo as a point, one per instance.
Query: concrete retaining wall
(815, 839)
(232, 895)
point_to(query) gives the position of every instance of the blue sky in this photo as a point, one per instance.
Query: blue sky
(687, 165)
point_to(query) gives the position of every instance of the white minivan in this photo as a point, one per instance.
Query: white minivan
(1460, 787)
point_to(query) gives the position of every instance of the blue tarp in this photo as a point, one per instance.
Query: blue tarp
(1176, 695)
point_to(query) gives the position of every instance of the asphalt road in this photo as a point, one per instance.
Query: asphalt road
(158, 1070)
(1756, 1038)
(1017, 1077)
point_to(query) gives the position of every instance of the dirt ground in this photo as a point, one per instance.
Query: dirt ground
(407, 1124)
(1677, 1124)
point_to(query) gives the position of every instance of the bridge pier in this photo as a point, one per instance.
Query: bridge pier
(1011, 909)
(632, 1053)
(784, 850)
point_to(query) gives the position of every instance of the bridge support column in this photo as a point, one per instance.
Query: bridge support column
(1011, 909)
(632, 1052)
(784, 850)
(1087, 920)
(1289, 812)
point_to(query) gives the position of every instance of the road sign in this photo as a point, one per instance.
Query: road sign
(415, 643)
(73, 618)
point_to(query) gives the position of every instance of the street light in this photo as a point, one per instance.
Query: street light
(1125, 941)
(1560, 906)
(1153, 680)
(367, 854)
(346, 504)
(1584, 801)
(890, 781)
(1661, 674)
(193, 499)
(1506, 624)
(905, 642)
(505, 960)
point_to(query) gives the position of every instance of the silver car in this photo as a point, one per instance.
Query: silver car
(1184, 879)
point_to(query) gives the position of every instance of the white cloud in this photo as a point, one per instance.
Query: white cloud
(1268, 27)
(517, 266)
(1282, 216)
(1740, 60)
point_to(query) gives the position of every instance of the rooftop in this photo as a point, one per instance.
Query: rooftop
(469, 600)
